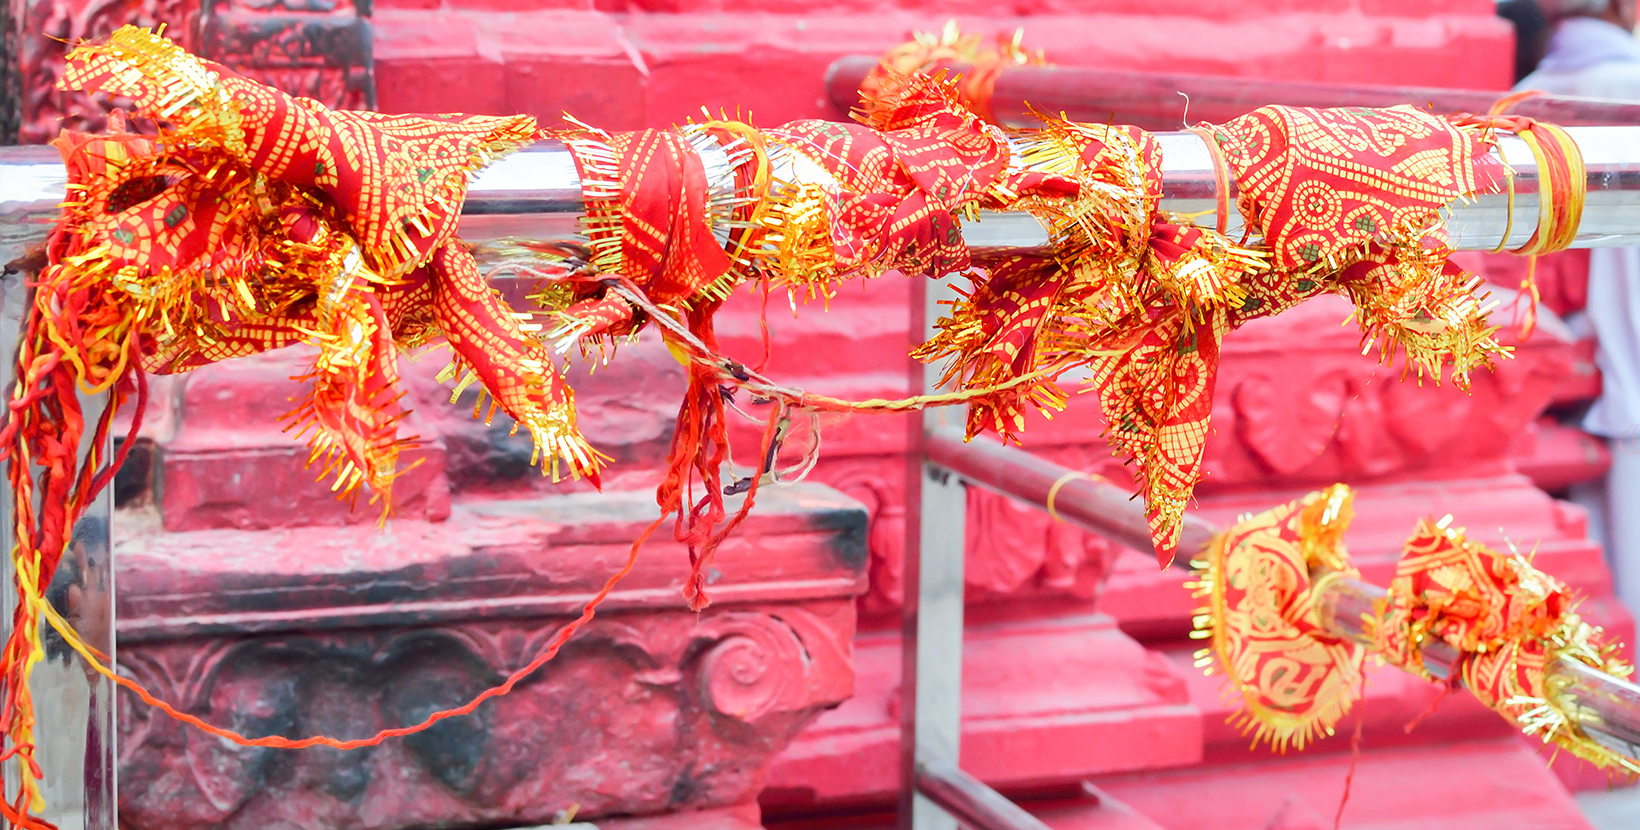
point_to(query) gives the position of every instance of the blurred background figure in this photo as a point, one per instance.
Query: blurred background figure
(1591, 51)
(1531, 33)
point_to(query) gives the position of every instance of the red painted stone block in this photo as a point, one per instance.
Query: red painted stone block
(492, 559)
(456, 83)
(1046, 700)
(603, 93)
(1555, 456)
(1455, 786)
(652, 709)
(621, 64)
(627, 410)
(1084, 807)
(1305, 408)
(226, 460)
(1494, 784)
(273, 486)
(739, 817)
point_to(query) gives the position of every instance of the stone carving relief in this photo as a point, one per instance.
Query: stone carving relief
(314, 48)
(11, 88)
(641, 713)
(318, 49)
(1298, 405)
(50, 27)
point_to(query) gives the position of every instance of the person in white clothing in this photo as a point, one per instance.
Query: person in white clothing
(1593, 53)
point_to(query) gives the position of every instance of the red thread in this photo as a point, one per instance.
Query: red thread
(1355, 753)
(1446, 689)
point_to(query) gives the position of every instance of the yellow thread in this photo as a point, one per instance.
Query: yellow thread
(1054, 490)
(1509, 217)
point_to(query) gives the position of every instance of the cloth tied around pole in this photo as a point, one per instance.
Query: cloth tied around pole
(1263, 579)
(251, 222)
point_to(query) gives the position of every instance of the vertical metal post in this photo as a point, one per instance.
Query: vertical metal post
(931, 625)
(74, 726)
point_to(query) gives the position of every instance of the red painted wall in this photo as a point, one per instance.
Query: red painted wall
(624, 64)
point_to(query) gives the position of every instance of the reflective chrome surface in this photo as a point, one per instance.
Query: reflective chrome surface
(1188, 183)
(968, 800)
(536, 192)
(73, 706)
(931, 615)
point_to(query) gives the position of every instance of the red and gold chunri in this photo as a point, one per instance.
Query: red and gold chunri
(1511, 627)
(1512, 623)
(250, 220)
(1260, 580)
(980, 64)
(1348, 203)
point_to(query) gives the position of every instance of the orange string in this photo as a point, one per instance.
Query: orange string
(1560, 204)
(1562, 191)
(1562, 178)
(1355, 752)
(1503, 105)
(766, 462)
(763, 328)
(1526, 302)
(1446, 689)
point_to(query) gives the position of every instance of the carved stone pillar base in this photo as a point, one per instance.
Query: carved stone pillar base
(651, 709)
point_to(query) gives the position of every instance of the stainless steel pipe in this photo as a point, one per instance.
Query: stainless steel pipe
(969, 801)
(536, 194)
(1607, 707)
(1167, 100)
(1096, 506)
(75, 732)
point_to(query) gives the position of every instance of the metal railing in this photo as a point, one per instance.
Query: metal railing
(536, 194)
(75, 730)
(1165, 100)
(1605, 706)
(934, 791)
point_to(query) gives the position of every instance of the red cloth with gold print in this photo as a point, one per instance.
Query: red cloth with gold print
(1259, 580)
(256, 220)
(1510, 625)
(1507, 628)
(901, 177)
(251, 221)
